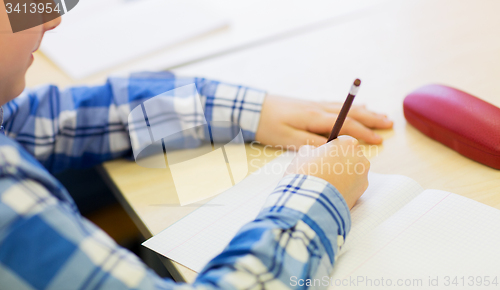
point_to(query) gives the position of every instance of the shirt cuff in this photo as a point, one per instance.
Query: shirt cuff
(240, 105)
(315, 202)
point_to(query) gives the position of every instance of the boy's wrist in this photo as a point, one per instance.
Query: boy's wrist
(241, 105)
(320, 185)
(312, 200)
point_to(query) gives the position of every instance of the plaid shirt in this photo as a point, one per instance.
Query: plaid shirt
(46, 244)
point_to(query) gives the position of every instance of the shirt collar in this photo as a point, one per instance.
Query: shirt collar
(1, 121)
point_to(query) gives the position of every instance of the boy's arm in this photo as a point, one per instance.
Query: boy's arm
(83, 126)
(296, 237)
(45, 243)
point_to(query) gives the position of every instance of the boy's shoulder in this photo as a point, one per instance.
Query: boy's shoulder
(13, 157)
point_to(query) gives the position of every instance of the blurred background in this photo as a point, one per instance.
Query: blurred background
(99, 37)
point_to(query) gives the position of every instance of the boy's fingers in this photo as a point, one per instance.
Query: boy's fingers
(370, 119)
(346, 139)
(299, 138)
(321, 124)
(335, 107)
(359, 131)
(343, 141)
(363, 115)
(306, 149)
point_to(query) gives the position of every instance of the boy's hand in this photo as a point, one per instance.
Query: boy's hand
(340, 162)
(292, 122)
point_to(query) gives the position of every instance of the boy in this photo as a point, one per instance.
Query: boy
(46, 243)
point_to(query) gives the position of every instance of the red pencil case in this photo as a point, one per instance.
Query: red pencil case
(457, 119)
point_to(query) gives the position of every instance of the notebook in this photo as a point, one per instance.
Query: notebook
(399, 231)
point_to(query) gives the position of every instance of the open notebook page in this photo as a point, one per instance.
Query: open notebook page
(385, 195)
(437, 234)
(200, 236)
(204, 233)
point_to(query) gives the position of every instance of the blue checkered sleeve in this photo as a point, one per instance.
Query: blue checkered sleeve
(295, 239)
(83, 126)
(46, 244)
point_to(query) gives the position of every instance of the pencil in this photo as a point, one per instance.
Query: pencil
(345, 109)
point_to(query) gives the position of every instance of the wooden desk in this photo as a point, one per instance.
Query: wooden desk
(394, 48)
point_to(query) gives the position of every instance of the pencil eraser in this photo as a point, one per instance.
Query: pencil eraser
(458, 120)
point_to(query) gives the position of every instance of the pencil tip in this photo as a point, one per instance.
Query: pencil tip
(357, 82)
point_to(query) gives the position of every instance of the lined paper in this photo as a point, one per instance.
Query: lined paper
(385, 195)
(197, 238)
(200, 236)
(437, 234)
(399, 231)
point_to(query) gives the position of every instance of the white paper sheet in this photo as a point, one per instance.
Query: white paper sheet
(437, 238)
(200, 236)
(399, 231)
